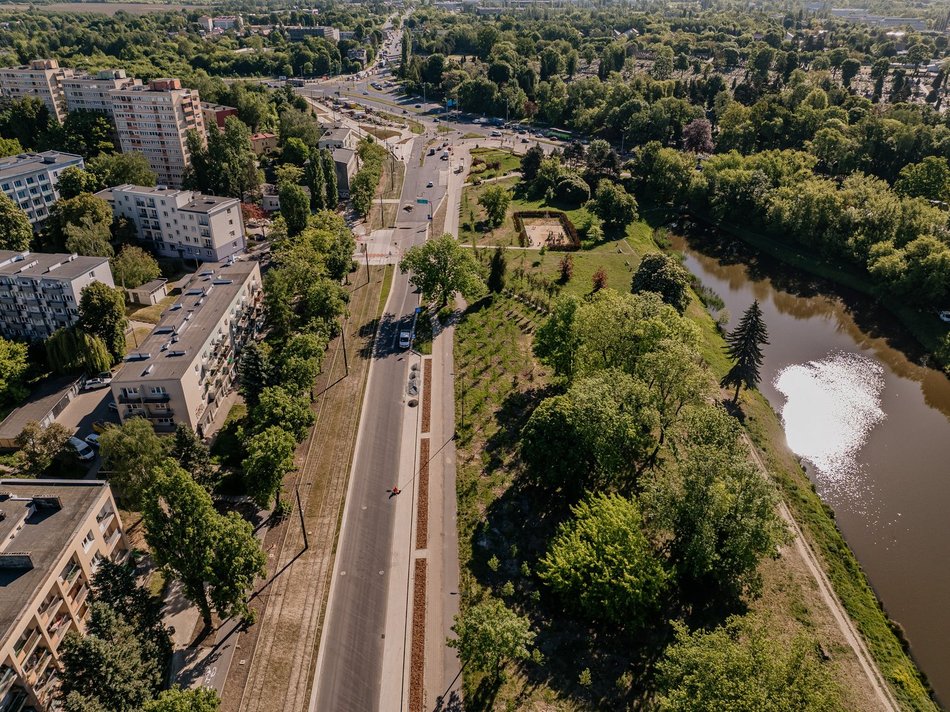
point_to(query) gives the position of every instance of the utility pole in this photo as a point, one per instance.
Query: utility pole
(366, 256)
(346, 363)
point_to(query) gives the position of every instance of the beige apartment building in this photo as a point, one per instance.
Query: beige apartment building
(182, 370)
(40, 292)
(53, 536)
(180, 223)
(42, 78)
(29, 180)
(91, 91)
(155, 120)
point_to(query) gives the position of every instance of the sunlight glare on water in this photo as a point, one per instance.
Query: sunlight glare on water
(831, 406)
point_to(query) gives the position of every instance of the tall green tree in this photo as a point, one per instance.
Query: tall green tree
(613, 205)
(294, 207)
(215, 557)
(329, 179)
(744, 346)
(198, 699)
(255, 371)
(281, 408)
(489, 634)
(602, 565)
(89, 238)
(192, 454)
(664, 275)
(495, 199)
(133, 267)
(16, 232)
(226, 164)
(102, 314)
(74, 181)
(496, 271)
(744, 667)
(14, 365)
(442, 267)
(70, 349)
(270, 456)
(133, 456)
(121, 168)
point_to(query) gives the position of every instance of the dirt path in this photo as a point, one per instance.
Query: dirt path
(276, 660)
(848, 630)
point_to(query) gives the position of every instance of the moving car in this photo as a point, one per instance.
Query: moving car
(83, 451)
(418, 106)
(405, 339)
(495, 134)
(429, 184)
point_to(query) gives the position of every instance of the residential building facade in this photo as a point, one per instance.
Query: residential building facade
(298, 33)
(30, 179)
(180, 223)
(40, 293)
(42, 78)
(338, 137)
(185, 367)
(92, 92)
(155, 120)
(263, 144)
(346, 163)
(54, 534)
(214, 115)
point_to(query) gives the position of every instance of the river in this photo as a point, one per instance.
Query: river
(871, 424)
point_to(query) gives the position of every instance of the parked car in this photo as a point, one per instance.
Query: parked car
(944, 315)
(83, 451)
(92, 439)
(100, 381)
(495, 134)
(405, 339)
(429, 184)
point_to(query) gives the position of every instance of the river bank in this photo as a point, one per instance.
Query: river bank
(738, 282)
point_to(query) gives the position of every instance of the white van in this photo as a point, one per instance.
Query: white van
(83, 451)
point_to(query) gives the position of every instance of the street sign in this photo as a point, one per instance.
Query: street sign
(418, 310)
(422, 201)
(450, 102)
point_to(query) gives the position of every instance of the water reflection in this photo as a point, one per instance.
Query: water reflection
(830, 408)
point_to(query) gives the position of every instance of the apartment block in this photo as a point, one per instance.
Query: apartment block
(30, 179)
(180, 223)
(338, 137)
(92, 92)
(297, 33)
(54, 534)
(183, 369)
(42, 78)
(155, 120)
(214, 115)
(39, 293)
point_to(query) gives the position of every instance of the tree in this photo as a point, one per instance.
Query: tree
(10, 147)
(27, 120)
(87, 133)
(215, 557)
(16, 232)
(102, 314)
(294, 207)
(121, 168)
(192, 454)
(496, 271)
(301, 359)
(664, 275)
(614, 205)
(89, 238)
(599, 280)
(849, 70)
(270, 456)
(572, 189)
(742, 667)
(255, 371)
(14, 364)
(39, 446)
(928, 179)
(133, 455)
(70, 349)
(106, 666)
(531, 162)
(697, 136)
(440, 268)
(603, 566)
(198, 699)
(226, 165)
(295, 151)
(744, 347)
(74, 181)
(133, 267)
(86, 211)
(489, 634)
(329, 178)
(495, 199)
(281, 408)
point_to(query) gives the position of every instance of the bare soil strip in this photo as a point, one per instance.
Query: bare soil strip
(275, 662)
(417, 656)
(422, 513)
(426, 397)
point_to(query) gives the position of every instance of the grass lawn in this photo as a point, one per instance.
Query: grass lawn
(492, 162)
(152, 313)
(498, 383)
(413, 125)
(380, 133)
(135, 337)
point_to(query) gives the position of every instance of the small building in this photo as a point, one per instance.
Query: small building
(263, 144)
(346, 163)
(270, 201)
(54, 534)
(357, 54)
(214, 115)
(338, 137)
(148, 294)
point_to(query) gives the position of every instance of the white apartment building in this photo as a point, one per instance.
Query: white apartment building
(180, 223)
(39, 293)
(42, 78)
(91, 92)
(29, 180)
(54, 534)
(183, 369)
(155, 120)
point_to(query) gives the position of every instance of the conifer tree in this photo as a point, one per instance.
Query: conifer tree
(744, 347)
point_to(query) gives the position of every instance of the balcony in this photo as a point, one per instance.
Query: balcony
(70, 573)
(104, 520)
(50, 606)
(7, 676)
(113, 538)
(29, 645)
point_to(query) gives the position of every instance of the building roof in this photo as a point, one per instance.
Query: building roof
(207, 105)
(51, 512)
(206, 203)
(151, 287)
(39, 405)
(262, 136)
(343, 155)
(28, 162)
(176, 341)
(42, 265)
(337, 133)
(197, 203)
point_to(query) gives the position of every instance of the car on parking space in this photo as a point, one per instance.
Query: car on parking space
(99, 381)
(524, 140)
(405, 339)
(495, 134)
(418, 106)
(429, 184)
(408, 208)
(92, 439)
(82, 450)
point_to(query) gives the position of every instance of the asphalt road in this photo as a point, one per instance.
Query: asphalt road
(348, 679)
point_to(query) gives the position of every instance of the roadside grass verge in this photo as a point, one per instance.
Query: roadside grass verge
(495, 161)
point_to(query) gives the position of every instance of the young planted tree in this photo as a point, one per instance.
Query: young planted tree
(489, 634)
(744, 347)
(496, 271)
(133, 456)
(216, 558)
(442, 267)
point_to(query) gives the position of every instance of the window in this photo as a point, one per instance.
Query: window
(158, 390)
(88, 541)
